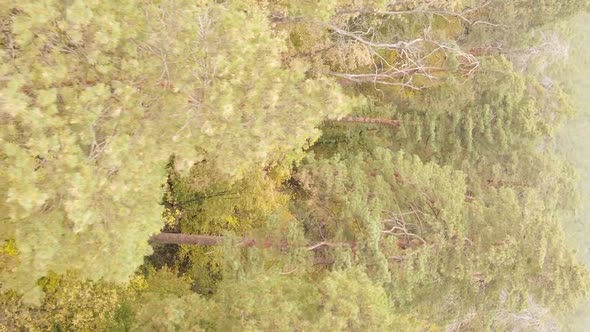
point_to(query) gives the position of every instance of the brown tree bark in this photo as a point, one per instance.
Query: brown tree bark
(366, 120)
(214, 240)
(211, 240)
(191, 239)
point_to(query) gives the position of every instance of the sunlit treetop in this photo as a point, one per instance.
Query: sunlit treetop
(95, 97)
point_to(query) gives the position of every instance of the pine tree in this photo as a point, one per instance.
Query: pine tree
(94, 99)
(420, 235)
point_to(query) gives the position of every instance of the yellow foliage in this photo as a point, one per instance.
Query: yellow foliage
(205, 202)
(390, 56)
(9, 248)
(137, 284)
(171, 216)
(69, 305)
(232, 221)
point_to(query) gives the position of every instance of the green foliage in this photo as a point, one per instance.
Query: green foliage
(263, 298)
(524, 14)
(204, 202)
(224, 118)
(321, 10)
(69, 305)
(91, 93)
(447, 249)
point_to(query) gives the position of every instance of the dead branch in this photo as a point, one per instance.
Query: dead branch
(414, 56)
(399, 227)
(288, 272)
(318, 245)
(463, 16)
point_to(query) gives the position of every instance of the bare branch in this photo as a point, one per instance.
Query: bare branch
(463, 16)
(399, 227)
(288, 272)
(412, 60)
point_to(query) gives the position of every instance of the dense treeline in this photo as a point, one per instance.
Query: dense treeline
(362, 165)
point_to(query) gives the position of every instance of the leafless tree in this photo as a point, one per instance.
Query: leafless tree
(415, 56)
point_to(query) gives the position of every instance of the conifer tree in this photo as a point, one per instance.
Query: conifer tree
(95, 97)
(418, 234)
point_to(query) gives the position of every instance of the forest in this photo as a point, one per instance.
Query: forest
(294, 165)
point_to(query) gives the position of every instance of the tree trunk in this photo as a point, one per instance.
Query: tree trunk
(214, 240)
(191, 239)
(365, 120)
